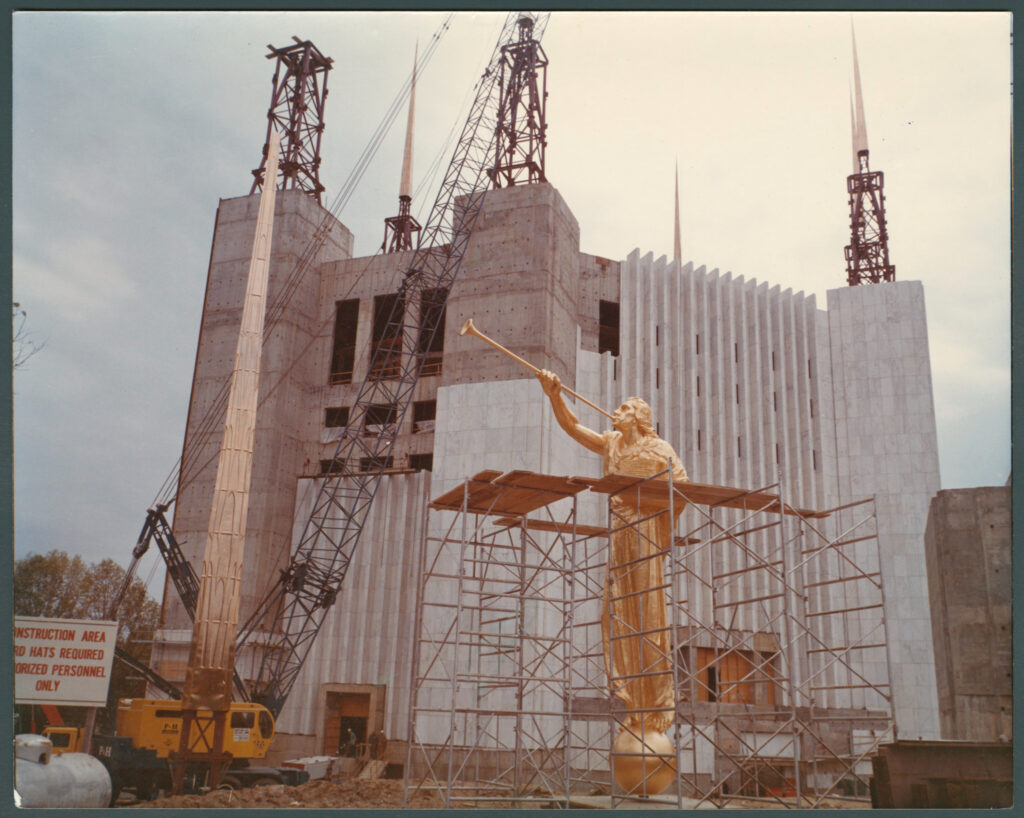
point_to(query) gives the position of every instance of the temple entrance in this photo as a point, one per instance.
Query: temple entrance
(346, 711)
(355, 707)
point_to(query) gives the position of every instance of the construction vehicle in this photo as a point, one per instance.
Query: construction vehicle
(290, 615)
(64, 739)
(148, 730)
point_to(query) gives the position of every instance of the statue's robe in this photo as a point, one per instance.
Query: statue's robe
(635, 627)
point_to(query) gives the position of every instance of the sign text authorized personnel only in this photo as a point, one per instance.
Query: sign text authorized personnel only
(62, 661)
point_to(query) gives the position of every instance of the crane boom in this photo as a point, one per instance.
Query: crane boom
(309, 586)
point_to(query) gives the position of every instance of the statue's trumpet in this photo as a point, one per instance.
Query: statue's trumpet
(469, 328)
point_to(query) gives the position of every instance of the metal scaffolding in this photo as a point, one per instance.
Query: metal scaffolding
(297, 101)
(778, 648)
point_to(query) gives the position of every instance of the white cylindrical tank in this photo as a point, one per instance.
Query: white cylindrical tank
(42, 779)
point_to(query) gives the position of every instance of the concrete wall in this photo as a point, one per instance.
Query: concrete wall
(968, 553)
(519, 283)
(886, 447)
(285, 430)
(363, 279)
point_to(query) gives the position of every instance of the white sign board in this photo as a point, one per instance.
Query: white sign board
(62, 661)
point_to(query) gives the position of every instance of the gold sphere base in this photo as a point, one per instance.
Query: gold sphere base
(643, 768)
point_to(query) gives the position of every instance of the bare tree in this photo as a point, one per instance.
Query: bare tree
(23, 347)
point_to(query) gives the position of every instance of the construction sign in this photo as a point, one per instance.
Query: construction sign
(62, 661)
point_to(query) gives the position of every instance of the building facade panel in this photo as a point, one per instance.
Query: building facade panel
(887, 446)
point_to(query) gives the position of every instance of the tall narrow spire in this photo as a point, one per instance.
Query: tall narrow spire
(405, 189)
(867, 254)
(398, 229)
(860, 125)
(677, 249)
(853, 129)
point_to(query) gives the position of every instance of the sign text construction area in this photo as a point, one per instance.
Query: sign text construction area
(62, 661)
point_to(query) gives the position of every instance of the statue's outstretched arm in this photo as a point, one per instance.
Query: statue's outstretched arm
(552, 386)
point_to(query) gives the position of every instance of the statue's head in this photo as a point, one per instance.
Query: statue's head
(634, 410)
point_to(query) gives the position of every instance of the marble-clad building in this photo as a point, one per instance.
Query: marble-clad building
(751, 384)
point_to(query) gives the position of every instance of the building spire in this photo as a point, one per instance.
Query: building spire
(677, 250)
(860, 126)
(853, 129)
(398, 229)
(867, 254)
(405, 189)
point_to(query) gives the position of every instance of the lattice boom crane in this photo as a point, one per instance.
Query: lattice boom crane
(296, 606)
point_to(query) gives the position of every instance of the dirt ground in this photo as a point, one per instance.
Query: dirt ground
(321, 794)
(378, 794)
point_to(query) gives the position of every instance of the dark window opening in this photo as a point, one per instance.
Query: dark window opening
(775, 401)
(737, 393)
(336, 416)
(812, 407)
(808, 367)
(422, 462)
(657, 428)
(773, 360)
(698, 386)
(736, 352)
(657, 335)
(343, 358)
(776, 452)
(386, 349)
(657, 378)
(814, 458)
(378, 415)
(332, 466)
(375, 463)
(739, 676)
(739, 447)
(432, 317)
(698, 343)
(424, 413)
(608, 327)
(698, 440)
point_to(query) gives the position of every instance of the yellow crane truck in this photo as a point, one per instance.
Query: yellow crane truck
(147, 731)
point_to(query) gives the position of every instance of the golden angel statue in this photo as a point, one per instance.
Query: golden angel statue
(636, 633)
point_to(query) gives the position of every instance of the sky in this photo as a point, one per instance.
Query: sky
(129, 127)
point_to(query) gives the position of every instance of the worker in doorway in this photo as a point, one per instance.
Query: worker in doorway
(378, 744)
(350, 744)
